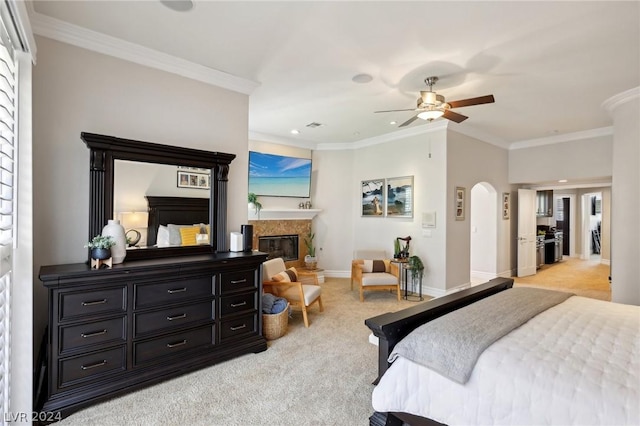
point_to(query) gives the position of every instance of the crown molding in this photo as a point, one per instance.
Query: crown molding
(568, 137)
(75, 35)
(281, 140)
(388, 137)
(615, 101)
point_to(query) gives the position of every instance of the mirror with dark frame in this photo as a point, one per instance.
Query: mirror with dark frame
(124, 170)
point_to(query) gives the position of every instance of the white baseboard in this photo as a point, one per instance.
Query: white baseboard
(337, 274)
(433, 292)
(482, 276)
(605, 261)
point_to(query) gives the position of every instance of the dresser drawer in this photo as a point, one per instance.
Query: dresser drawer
(93, 333)
(166, 292)
(178, 316)
(237, 327)
(237, 281)
(151, 350)
(85, 303)
(230, 305)
(92, 366)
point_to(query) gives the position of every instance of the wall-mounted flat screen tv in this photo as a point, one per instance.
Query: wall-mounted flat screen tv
(279, 176)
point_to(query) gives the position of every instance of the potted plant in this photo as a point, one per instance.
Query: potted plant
(100, 246)
(417, 269)
(310, 260)
(396, 248)
(253, 202)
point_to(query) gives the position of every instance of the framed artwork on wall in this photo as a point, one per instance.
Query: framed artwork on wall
(400, 196)
(373, 200)
(505, 205)
(194, 180)
(459, 202)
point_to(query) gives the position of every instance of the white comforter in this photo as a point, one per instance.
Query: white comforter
(576, 363)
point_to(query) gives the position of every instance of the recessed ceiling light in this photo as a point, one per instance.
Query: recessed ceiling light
(393, 122)
(295, 132)
(178, 5)
(361, 78)
(563, 181)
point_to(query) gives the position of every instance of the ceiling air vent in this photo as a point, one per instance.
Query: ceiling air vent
(314, 125)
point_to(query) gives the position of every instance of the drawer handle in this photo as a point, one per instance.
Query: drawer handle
(175, 317)
(177, 290)
(97, 364)
(94, 334)
(239, 281)
(240, 327)
(235, 305)
(94, 302)
(173, 345)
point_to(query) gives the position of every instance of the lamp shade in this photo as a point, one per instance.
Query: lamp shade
(431, 114)
(132, 220)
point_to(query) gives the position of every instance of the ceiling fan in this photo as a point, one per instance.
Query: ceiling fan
(431, 105)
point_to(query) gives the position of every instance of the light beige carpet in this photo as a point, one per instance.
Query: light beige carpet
(588, 278)
(316, 376)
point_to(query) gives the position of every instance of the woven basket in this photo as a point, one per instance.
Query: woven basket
(275, 325)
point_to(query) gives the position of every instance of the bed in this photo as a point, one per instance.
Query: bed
(574, 362)
(174, 210)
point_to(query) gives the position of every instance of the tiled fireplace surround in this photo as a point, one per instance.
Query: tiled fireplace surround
(267, 228)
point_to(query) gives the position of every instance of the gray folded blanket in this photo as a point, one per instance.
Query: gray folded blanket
(451, 344)
(272, 304)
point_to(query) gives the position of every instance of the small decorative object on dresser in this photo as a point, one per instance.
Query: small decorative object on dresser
(119, 249)
(100, 250)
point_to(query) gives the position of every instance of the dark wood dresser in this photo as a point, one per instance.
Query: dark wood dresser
(114, 330)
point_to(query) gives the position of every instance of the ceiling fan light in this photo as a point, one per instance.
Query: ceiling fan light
(431, 114)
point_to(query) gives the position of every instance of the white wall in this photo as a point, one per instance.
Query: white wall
(483, 210)
(332, 192)
(77, 90)
(576, 159)
(625, 197)
(470, 161)
(408, 156)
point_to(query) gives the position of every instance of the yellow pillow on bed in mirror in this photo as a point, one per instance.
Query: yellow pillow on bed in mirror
(188, 235)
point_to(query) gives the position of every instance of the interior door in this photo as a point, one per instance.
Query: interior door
(526, 232)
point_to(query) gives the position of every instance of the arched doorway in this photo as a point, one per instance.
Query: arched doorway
(484, 233)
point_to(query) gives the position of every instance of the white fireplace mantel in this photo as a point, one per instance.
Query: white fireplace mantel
(283, 214)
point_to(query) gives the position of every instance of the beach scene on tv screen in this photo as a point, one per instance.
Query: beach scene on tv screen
(279, 176)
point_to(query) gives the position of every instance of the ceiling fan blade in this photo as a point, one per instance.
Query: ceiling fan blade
(454, 116)
(472, 101)
(409, 121)
(397, 110)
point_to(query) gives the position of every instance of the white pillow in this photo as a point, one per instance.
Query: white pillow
(163, 236)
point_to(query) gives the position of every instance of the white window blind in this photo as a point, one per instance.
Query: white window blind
(7, 211)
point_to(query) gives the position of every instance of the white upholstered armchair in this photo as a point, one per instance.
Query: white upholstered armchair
(373, 271)
(283, 282)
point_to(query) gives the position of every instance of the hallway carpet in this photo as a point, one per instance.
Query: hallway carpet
(588, 278)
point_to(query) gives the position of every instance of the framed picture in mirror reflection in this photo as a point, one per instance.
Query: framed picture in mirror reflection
(194, 180)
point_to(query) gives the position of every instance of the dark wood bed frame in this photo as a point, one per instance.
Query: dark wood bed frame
(176, 210)
(391, 327)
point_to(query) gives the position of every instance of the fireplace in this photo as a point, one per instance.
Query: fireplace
(284, 246)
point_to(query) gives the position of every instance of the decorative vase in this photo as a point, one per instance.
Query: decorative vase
(116, 231)
(310, 262)
(100, 253)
